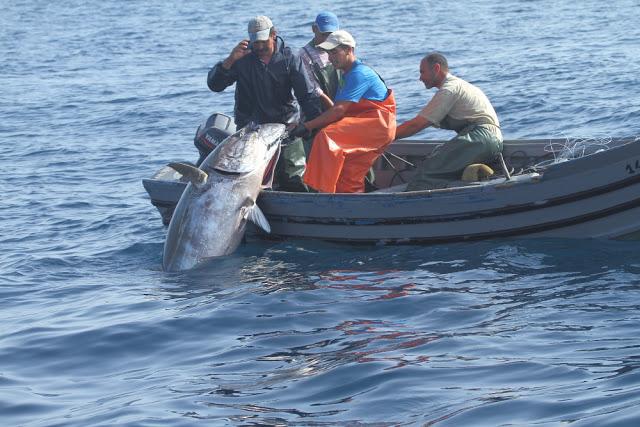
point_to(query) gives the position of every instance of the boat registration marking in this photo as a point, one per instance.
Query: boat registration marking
(633, 168)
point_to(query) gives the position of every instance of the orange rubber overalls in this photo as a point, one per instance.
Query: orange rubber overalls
(343, 152)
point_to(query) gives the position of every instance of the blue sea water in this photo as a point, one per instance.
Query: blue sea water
(96, 95)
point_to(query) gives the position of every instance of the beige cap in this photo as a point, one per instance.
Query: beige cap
(336, 39)
(259, 28)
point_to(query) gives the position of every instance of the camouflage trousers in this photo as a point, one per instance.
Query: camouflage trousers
(448, 161)
(291, 166)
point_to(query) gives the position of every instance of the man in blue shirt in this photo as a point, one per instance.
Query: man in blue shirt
(355, 131)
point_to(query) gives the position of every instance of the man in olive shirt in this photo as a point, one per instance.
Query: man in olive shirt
(458, 106)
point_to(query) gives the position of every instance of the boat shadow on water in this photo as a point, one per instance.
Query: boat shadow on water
(391, 271)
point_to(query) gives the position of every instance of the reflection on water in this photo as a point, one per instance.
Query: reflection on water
(290, 332)
(98, 95)
(376, 282)
(439, 341)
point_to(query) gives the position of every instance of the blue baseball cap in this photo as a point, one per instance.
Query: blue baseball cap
(327, 22)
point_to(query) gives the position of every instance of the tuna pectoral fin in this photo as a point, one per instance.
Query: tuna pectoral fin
(191, 173)
(256, 216)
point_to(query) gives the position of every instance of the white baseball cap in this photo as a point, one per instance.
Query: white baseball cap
(336, 39)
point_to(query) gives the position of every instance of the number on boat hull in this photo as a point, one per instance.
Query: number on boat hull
(633, 168)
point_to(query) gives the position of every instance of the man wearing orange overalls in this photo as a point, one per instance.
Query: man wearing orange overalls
(356, 130)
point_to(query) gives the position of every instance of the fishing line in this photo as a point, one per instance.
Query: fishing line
(572, 148)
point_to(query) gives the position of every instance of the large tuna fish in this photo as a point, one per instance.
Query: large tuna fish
(210, 218)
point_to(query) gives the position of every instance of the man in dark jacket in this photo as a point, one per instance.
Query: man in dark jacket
(265, 72)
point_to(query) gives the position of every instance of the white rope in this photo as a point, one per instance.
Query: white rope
(573, 148)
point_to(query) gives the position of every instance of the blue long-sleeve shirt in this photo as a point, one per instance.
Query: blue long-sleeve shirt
(264, 91)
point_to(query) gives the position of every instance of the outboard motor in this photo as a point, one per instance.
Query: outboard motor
(211, 133)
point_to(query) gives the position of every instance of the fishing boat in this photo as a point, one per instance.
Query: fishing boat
(542, 188)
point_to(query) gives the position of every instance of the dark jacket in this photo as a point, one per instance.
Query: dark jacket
(263, 92)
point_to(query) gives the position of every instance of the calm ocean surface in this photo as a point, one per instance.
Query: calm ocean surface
(96, 95)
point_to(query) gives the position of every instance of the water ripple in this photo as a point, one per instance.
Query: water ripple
(98, 95)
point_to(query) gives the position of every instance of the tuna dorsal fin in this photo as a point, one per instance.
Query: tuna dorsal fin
(191, 173)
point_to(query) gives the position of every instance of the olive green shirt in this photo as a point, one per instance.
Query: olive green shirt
(458, 105)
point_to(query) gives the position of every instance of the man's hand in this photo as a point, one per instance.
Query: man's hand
(297, 130)
(411, 127)
(241, 50)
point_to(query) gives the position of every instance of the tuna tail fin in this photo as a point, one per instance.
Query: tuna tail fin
(191, 173)
(255, 215)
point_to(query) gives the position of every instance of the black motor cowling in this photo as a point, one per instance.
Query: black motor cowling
(211, 133)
